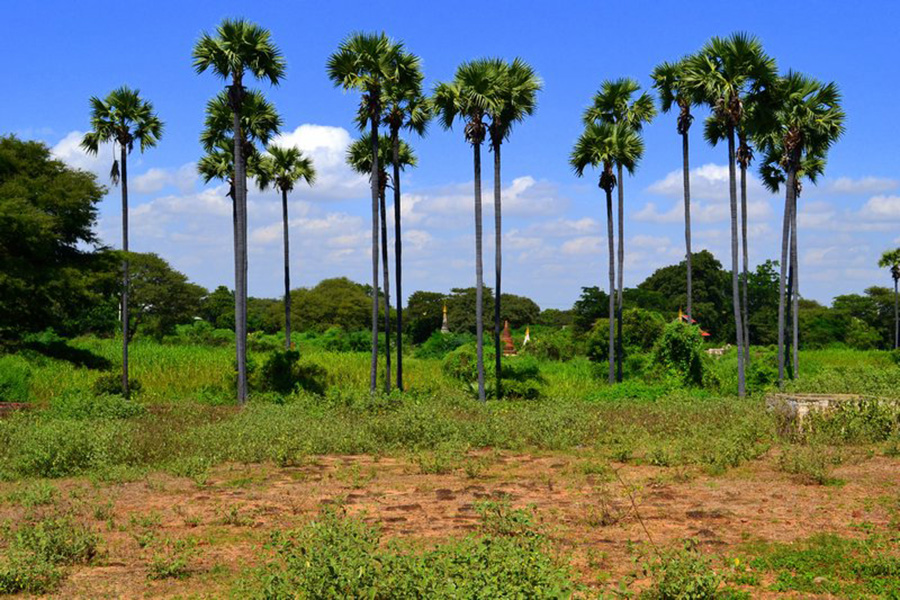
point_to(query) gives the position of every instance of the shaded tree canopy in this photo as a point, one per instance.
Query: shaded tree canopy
(49, 276)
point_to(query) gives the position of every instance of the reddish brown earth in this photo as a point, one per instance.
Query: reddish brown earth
(595, 519)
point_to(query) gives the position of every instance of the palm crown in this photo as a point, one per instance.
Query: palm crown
(359, 155)
(603, 144)
(515, 97)
(367, 62)
(674, 90)
(470, 97)
(260, 120)
(283, 167)
(806, 121)
(891, 260)
(218, 162)
(238, 47)
(725, 71)
(614, 104)
(123, 117)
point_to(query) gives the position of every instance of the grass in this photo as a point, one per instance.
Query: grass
(183, 422)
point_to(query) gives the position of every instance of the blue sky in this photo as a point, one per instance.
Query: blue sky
(58, 54)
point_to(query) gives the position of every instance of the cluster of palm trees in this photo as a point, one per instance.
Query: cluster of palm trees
(489, 96)
(792, 120)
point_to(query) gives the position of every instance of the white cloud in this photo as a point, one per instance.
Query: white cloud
(863, 185)
(882, 208)
(183, 178)
(327, 146)
(69, 151)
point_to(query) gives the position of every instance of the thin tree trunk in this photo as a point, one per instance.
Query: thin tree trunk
(735, 287)
(785, 242)
(790, 312)
(373, 374)
(745, 261)
(686, 173)
(125, 280)
(620, 273)
(387, 294)
(896, 314)
(479, 273)
(795, 289)
(240, 259)
(287, 271)
(398, 247)
(498, 262)
(612, 285)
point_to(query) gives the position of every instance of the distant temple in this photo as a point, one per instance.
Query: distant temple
(445, 328)
(690, 321)
(506, 338)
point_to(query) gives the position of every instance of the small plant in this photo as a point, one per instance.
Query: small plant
(234, 517)
(444, 459)
(679, 351)
(811, 464)
(682, 574)
(284, 373)
(39, 493)
(15, 379)
(172, 560)
(110, 384)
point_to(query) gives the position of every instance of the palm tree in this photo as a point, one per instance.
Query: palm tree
(891, 260)
(614, 104)
(669, 81)
(237, 49)
(359, 157)
(603, 145)
(122, 118)
(369, 63)
(469, 97)
(807, 120)
(282, 168)
(405, 107)
(515, 98)
(722, 73)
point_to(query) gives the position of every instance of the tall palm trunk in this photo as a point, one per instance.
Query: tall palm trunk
(387, 292)
(373, 373)
(479, 272)
(790, 286)
(125, 281)
(795, 290)
(398, 247)
(498, 262)
(686, 174)
(240, 258)
(612, 284)
(745, 274)
(785, 243)
(621, 269)
(735, 287)
(287, 271)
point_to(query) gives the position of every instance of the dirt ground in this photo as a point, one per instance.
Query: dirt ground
(595, 512)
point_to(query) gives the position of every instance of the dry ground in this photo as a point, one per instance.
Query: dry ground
(597, 512)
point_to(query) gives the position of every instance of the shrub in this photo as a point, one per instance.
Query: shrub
(75, 405)
(110, 384)
(682, 574)
(440, 344)
(556, 345)
(15, 379)
(259, 341)
(201, 333)
(283, 373)
(679, 351)
(342, 557)
(895, 356)
(811, 464)
(520, 376)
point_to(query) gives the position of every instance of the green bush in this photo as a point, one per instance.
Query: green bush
(556, 345)
(36, 550)
(76, 405)
(15, 379)
(682, 574)
(337, 557)
(283, 373)
(680, 351)
(258, 341)
(110, 384)
(520, 375)
(201, 333)
(440, 344)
